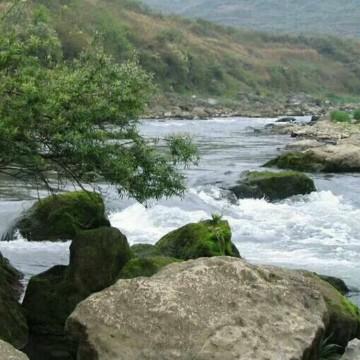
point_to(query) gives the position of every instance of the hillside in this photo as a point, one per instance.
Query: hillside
(197, 57)
(289, 16)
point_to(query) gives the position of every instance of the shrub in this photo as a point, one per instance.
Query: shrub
(340, 116)
(357, 115)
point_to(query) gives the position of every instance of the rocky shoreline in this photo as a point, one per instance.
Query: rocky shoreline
(248, 105)
(322, 146)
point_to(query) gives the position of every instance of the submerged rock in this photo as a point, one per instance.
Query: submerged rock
(8, 352)
(273, 185)
(213, 308)
(203, 239)
(329, 158)
(13, 327)
(60, 217)
(96, 258)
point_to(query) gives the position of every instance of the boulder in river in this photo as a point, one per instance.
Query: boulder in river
(60, 217)
(96, 258)
(213, 308)
(8, 352)
(329, 158)
(352, 351)
(13, 326)
(273, 185)
(203, 239)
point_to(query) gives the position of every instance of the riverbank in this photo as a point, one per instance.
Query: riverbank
(247, 105)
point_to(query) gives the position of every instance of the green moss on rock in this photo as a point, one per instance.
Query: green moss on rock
(146, 266)
(337, 283)
(316, 161)
(343, 320)
(203, 239)
(273, 185)
(60, 217)
(13, 326)
(299, 161)
(145, 250)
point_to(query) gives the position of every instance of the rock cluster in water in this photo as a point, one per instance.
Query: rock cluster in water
(273, 186)
(190, 294)
(323, 147)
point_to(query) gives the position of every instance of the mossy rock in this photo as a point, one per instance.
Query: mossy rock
(13, 326)
(316, 161)
(300, 161)
(60, 217)
(203, 239)
(49, 300)
(343, 320)
(337, 283)
(145, 266)
(96, 258)
(145, 250)
(273, 185)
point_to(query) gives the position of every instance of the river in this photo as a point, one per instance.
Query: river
(319, 232)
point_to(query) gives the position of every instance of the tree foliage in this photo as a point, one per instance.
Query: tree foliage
(74, 120)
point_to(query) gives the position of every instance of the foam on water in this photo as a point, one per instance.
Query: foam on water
(318, 232)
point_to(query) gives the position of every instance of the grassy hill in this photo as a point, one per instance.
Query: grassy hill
(290, 16)
(197, 57)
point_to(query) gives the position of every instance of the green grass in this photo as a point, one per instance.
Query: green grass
(340, 116)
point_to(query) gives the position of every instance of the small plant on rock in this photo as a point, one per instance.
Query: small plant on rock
(328, 350)
(216, 218)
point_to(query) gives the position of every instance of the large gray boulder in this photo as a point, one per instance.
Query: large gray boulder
(8, 352)
(213, 308)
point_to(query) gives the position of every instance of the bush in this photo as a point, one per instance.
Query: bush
(340, 116)
(357, 115)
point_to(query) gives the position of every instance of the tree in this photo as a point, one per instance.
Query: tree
(77, 120)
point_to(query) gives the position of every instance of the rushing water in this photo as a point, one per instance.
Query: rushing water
(319, 232)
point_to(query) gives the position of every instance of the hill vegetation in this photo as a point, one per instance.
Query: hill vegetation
(290, 16)
(190, 57)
